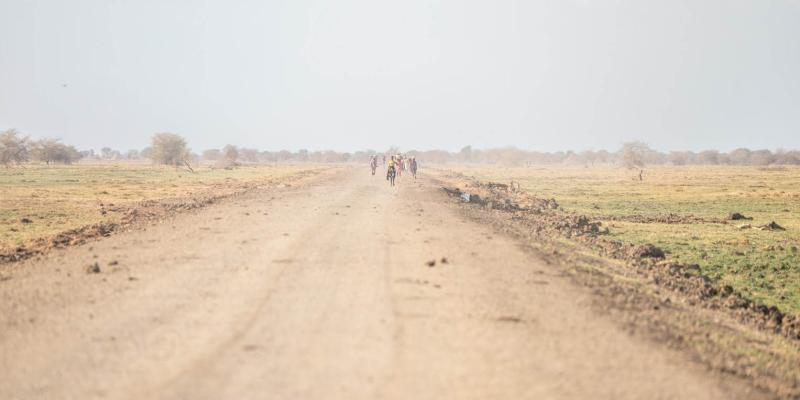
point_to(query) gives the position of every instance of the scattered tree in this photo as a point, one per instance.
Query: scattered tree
(787, 157)
(634, 153)
(211, 154)
(169, 149)
(709, 157)
(302, 155)
(146, 152)
(588, 157)
(87, 154)
(248, 155)
(678, 158)
(465, 155)
(739, 156)
(761, 157)
(133, 154)
(52, 150)
(13, 148)
(230, 153)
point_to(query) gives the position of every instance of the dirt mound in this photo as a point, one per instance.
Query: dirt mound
(93, 269)
(144, 212)
(67, 238)
(772, 226)
(577, 225)
(682, 278)
(735, 216)
(688, 280)
(540, 214)
(465, 196)
(492, 186)
(646, 251)
(509, 197)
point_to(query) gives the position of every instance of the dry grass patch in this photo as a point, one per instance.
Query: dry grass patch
(684, 211)
(42, 200)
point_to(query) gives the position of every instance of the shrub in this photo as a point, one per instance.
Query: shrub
(169, 149)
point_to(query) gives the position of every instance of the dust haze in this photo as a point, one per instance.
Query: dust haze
(394, 200)
(358, 75)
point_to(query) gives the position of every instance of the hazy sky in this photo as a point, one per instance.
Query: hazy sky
(356, 74)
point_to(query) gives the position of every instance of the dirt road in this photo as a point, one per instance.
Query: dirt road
(321, 291)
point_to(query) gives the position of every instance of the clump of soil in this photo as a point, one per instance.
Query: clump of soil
(500, 196)
(688, 280)
(541, 212)
(67, 238)
(577, 225)
(26, 221)
(93, 269)
(492, 186)
(646, 251)
(735, 216)
(772, 226)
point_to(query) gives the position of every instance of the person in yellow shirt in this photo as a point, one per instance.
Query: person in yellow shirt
(391, 172)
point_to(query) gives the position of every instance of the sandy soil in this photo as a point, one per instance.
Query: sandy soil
(322, 291)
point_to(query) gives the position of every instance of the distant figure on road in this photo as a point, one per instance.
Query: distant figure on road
(413, 167)
(391, 172)
(373, 163)
(398, 164)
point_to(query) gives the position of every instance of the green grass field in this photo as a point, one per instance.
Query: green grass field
(763, 265)
(56, 198)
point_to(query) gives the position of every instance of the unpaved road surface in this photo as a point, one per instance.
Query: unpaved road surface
(321, 292)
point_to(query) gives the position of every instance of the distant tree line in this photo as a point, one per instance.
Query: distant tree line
(172, 149)
(17, 149)
(631, 155)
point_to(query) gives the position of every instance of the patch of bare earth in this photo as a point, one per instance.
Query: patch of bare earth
(668, 301)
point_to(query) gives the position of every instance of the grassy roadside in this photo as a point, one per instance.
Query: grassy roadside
(41, 200)
(762, 265)
(661, 301)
